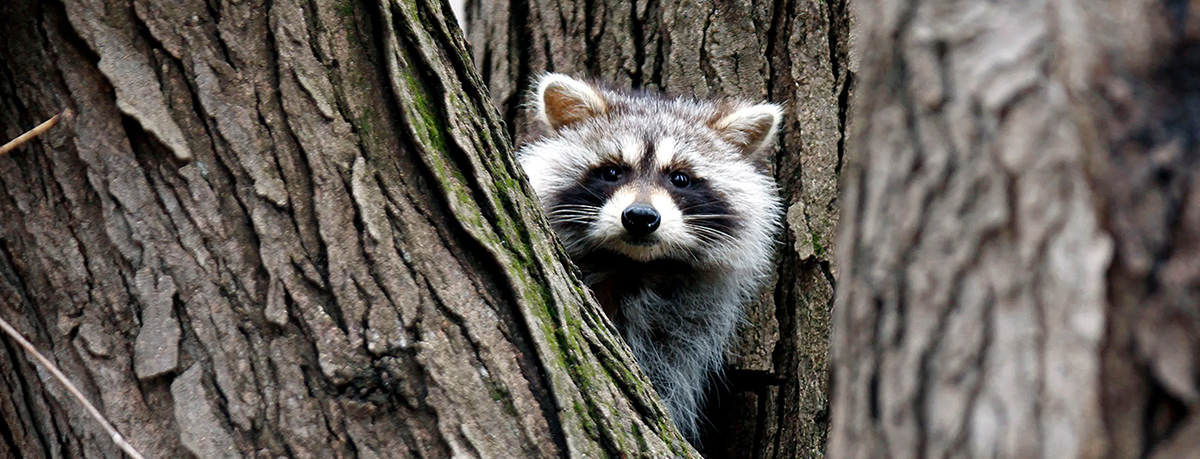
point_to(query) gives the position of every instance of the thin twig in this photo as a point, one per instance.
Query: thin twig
(30, 134)
(112, 432)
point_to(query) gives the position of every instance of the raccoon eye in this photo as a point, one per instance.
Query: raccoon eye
(680, 179)
(610, 174)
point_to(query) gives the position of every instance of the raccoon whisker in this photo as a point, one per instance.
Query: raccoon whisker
(562, 224)
(699, 223)
(598, 195)
(572, 213)
(581, 222)
(707, 241)
(579, 210)
(694, 206)
(576, 246)
(575, 206)
(704, 217)
(712, 242)
(711, 235)
(705, 229)
(585, 217)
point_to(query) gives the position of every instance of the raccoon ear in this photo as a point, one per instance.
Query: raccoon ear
(750, 128)
(562, 101)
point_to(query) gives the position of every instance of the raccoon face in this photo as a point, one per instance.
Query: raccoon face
(643, 200)
(651, 178)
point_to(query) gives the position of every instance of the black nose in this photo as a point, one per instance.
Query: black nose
(640, 219)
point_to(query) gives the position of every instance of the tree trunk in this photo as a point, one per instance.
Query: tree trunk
(773, 401)
(1021, 239)
(286, 229)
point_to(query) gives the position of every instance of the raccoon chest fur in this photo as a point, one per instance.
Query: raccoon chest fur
(673, 227)
(620, 284)
(661, 309)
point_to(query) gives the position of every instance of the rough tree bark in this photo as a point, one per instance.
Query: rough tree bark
(286, 229)
(773, 403)
(1020, 247)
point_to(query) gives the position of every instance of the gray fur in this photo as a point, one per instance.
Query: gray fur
(676, 302)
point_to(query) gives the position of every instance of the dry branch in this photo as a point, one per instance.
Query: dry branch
(53, 369)
(36, 131)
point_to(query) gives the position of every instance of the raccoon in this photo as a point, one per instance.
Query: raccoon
(672, 227)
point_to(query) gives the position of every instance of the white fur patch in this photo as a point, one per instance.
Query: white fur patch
(664, 153)
(631, 150)
(671, 229)
(608, 226)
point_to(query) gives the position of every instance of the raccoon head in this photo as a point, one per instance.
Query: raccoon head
(652, 178)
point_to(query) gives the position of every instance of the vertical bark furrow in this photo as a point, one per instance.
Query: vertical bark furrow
(21, 429)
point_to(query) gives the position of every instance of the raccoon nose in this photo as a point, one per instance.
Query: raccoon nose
(640, 219)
